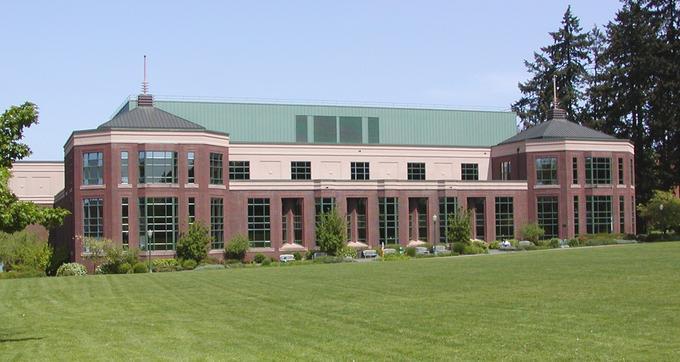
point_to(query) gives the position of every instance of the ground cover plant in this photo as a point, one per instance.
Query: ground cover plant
(615, 302)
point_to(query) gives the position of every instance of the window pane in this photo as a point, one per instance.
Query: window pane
(301, 129)
(301, 170)
(259, 228)
(469, 171)
(546, 171)
(157, 167)
(325, 129)
(415, 170)
(548, 215)
(350, 130)
(360, 171)
(217, 223)
(505, 225)
(388, 217)
(373, 130)
(93, 168)
(160, 215)
(239, 170)
(216, 168)
(447, 206)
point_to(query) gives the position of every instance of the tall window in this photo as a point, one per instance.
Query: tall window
(506, 170)
(191, 163)
(360, 171)
(598, 170)
(546, 171)
(157, 167)
(324, 205)
(125, 221)
(301, 129)
(93, 218)
(300, 170)
(239, 170)
(632, 173)
(388, 209)
(259, 226)
(574, 170)
(505, 224)
(160, 215)
(622, 215)
(447, 206)
(547, 211)
(620, 171)
(351, 130)
(93, 168)
(217, 222)
(216, 167)
(576, 217)
(632, 213)
(416, 171)
(191, 206)
(469, 171)
(124, 168)
(598, 214)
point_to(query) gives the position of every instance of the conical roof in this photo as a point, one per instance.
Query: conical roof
(149, 117)
(559, 128)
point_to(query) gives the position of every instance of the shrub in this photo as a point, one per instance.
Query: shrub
(310, 254)
(495, 244)
(346, 251)
(328, 260)
(237, 247)
(140, 267)
(554, 243)
(189, 264)
(211, 267)
(393, 257)
(662, 211)
(297, 256)
(459, 227)
(165, 265)
(71, 269)
(411, 251)
(24, 252)
(331, 232)
(124, 268)
(473, 249)
(266, 261)
(194, 243)
(259, 258)
(575, 242)
(532, 232)
(458, 247)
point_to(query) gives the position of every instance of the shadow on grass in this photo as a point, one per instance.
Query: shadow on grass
(21, 339)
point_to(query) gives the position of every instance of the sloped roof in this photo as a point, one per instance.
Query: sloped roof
(559, 128)
(149, 118)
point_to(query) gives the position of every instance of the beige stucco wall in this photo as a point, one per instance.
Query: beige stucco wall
(37, 181)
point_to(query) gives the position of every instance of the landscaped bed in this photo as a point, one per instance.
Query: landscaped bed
(587, 303)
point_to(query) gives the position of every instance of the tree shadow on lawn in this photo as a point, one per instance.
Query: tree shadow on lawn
(6, 337)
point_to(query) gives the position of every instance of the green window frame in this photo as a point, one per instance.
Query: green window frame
(505, 222)
(323, 205)
(388, 219)
(577, 222)
(598, 214)
(360, 170)
(598, 171)
(217, 222)
(259, 222)
(191, 167)
(506, 170)
(216, 169)
(93, 168)
(546, 171)
(415, 171)
(191, 210)
(469, 171)
(124, 167)
(622, 214)
(160, 215)
(125, 222)
(300, 170)
(239, 170)
(93, 217)
(574, 170)
(447, 206)
(621, 180)
(547, 210)
(157, 167)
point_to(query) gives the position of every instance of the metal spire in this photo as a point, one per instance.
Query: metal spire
(145, 84)
(554, 91)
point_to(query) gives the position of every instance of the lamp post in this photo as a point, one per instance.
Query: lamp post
(434, 232)
(149, 235)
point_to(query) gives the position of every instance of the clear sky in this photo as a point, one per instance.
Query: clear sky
(80, 60)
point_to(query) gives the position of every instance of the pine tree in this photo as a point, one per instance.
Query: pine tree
(565, 59)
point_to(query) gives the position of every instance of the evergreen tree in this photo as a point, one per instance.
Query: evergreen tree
(565, 59)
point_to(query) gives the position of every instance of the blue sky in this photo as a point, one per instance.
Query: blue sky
(79, 60)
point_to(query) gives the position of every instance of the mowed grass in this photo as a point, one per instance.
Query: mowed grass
(617, 302)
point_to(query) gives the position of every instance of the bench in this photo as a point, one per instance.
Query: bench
(421, 250)
(388, 251)
(369, 253)
(439, 249)
(284, 258)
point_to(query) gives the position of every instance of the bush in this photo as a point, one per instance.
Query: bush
(411, 251)
(458, 247)
(24, 252)
(266, 262)
(259, 258)
(165, 265)
(140, 267)
(328, 260)
(662, 211)
(532, 232)
(554, 243)
(71, 269)
(393, 257)
(310, 254)
(495, 244)
(237, 247)
(124, 268)
(331, 232)
(459, 226)
(346, 251)
(211, 267)
(473, 249)
(297, 256)
(194, 243)
(189, 264)
(575, 242)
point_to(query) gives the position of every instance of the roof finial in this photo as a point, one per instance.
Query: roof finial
(145, 84)
(554, 91)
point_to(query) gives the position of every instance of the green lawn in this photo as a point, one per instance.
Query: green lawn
(616, 302)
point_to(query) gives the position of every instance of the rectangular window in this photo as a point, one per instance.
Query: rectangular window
(160, 215)
(577, 222)
(217, 222)
(300, 170)
(469, 171)
(621, 171)
(239, 170)
(191, 206)
(191, 163)
(93, 168)
(124, 168)
(574, 170)
(324, 205)
(301, 129)
(506, 170)
(546, 171)
(360, 171)
(125, 222)
(547, 210)
(416, 171)
(216, 169)
(505, 222)
(598, 171)
(157, 167)
(622, 215)
(93, 218)
(447, 206)
(296, 216)
(598, 214)
(388, 210)
(325, 129)
(632, 214)
(632, 174)
(373, 130)
(351, 130)
(259, 226)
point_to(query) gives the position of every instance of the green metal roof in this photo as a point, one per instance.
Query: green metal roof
(276, 123)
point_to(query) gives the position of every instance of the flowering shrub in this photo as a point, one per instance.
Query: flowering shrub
(71, 269)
